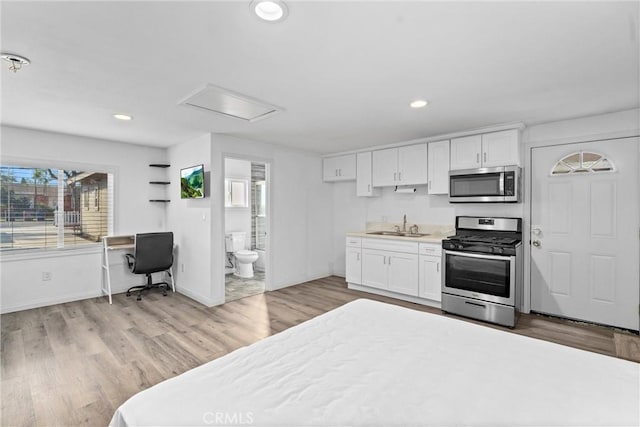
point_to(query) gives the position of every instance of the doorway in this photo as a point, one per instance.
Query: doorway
(585, 221)
(246, 223)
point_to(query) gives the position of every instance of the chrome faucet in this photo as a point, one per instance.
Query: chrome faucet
(404, 224)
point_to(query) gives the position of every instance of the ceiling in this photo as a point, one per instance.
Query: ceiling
(344, 72)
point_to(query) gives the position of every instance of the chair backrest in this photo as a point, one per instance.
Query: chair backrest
(153, 252)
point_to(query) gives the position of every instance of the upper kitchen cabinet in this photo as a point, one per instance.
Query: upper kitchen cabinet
(486, 150)
(339, 168)
(364, 175)
(501, 148)
(400, 166)
(438, 167)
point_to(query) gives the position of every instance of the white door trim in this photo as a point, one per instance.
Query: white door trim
(526, 220)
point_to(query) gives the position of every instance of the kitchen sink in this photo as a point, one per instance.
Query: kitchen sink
(397, 233)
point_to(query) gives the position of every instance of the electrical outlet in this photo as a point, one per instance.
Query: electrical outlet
(46, 276)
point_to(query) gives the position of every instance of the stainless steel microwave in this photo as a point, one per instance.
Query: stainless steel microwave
(485, 185)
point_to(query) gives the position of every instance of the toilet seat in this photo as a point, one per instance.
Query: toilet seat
(245, 252)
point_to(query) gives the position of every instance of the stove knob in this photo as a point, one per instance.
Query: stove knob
(460, 246)
(497, 250)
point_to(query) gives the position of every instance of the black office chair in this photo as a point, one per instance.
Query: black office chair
(153, 252)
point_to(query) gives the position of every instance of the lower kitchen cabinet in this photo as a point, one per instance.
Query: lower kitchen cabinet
(403, 273)
(388, 269)
(353, 261)
(354, 265)
(430, 275)
(374, 268)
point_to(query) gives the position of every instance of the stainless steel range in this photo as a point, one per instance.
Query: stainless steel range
(482, 271)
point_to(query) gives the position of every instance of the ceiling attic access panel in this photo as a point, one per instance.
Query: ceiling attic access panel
(217, 100)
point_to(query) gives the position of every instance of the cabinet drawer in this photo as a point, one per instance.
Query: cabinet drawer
(391, 245)
(430, 249)
(354, 242)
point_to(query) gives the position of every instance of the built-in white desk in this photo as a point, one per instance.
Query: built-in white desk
(111, 244)
(115, 264)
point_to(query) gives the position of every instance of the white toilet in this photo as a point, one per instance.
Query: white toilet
(234, 243)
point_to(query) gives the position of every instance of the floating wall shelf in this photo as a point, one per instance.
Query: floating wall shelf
(163, 166)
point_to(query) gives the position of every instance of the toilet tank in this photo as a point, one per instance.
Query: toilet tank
(234, 241)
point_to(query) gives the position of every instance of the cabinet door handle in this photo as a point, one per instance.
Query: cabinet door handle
(336, 172)
(394, 176)
(485, 156)
(384, 259)
(437, 267)
(358, 256)
(389, 263)
(368, 188)
(339, 172)
(429, 184)
(477, 157)
(399, 176)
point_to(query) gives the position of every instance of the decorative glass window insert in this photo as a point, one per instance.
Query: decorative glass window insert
(582, 162)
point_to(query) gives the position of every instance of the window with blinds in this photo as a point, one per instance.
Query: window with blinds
(50, 208)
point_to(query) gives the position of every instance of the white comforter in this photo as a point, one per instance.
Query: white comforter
(374, 364)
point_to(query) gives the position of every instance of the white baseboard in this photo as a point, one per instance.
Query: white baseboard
(51, 301)
(275, 287)
(197, 297)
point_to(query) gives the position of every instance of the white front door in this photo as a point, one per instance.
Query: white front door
(584, 231)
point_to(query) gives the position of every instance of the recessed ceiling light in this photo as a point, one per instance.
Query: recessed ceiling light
(418, 103)
(125, 117)
(270, 10)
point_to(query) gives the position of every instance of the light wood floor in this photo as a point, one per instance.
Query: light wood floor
(75, 363)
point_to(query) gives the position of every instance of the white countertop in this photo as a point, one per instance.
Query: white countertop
(431, 238)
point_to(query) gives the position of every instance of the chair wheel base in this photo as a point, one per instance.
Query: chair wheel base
(128, 294)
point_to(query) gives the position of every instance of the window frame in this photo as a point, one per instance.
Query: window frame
(90, 247)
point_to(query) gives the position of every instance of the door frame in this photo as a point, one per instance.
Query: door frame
(528, 146)
(268, 163)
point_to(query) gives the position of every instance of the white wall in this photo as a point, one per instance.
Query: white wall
(76, 274)
(300, 211)
(190, 221)
(237, 218)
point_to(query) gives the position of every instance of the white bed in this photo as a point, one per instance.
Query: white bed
(373, 364)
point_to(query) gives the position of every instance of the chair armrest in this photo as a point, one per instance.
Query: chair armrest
(130, 260)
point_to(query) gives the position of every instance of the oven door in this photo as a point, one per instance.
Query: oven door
(480, 276)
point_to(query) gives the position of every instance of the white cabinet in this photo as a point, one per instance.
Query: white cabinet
(391, 265)
(430, 275)
(364, 170)
(354, 260)
(400, 166)
(465, 152)
(374, 268)
(385, 167)
(486, 150)
(403, 274)
(339, 168)
(500, 148)
(438, 167)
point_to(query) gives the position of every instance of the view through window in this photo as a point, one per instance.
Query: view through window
(45, 208)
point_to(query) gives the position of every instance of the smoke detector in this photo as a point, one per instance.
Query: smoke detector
(16, 61)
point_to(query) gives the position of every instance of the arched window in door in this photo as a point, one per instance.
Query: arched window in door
(582, 162)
